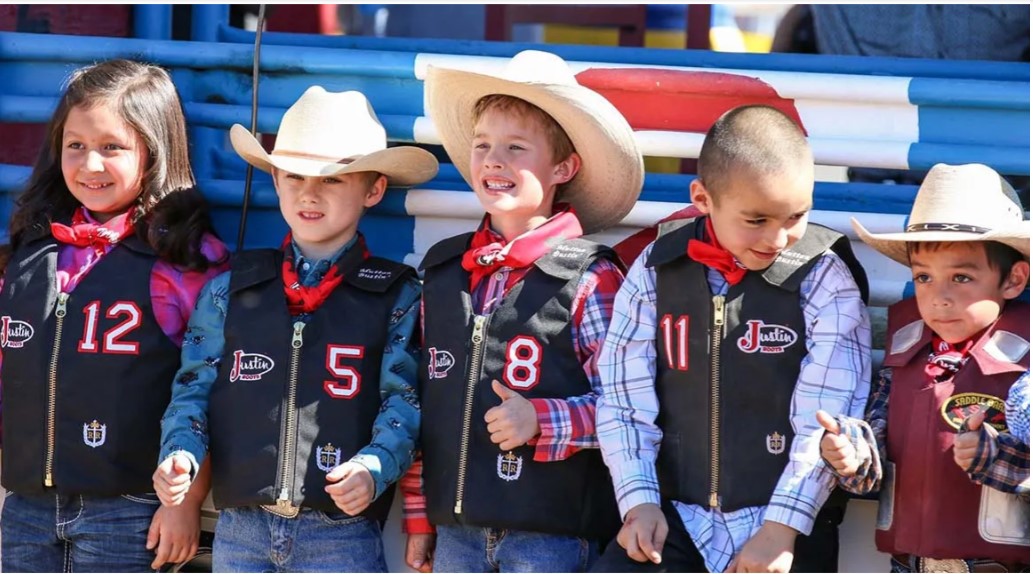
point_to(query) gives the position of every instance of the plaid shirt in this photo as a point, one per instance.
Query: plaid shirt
(833, 377)
(1016, 409)
(567, 425)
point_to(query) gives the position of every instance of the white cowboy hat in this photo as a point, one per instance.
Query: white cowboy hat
(332, 133)
(957, 203)
(612, 172)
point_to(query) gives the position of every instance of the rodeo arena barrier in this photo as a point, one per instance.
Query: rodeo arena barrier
(867, 112)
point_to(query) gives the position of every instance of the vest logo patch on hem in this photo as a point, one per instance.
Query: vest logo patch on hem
(441, 362)
(249, 366)
(509, 466)
(766, 338)
(94, 434)
(14, 333)
(961, 406)
(776, 443)
(327, 457)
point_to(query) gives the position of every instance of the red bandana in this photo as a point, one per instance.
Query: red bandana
(948, 358)
(82, 233)
(489, 252)
(710, 253)
(301, 299)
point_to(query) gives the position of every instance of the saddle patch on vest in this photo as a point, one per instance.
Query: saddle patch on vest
(1006, 347)
(94, 433)
(907, 336)
(440, 363)
(249, 366)
(13, 333)
(766, 338)
(961, 406)
(509, 466)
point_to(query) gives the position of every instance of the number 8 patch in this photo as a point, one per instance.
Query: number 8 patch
(523, 363)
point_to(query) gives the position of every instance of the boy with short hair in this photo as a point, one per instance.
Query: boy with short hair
(934, 440)
(299, 364)
(514, 315)
(729, 332)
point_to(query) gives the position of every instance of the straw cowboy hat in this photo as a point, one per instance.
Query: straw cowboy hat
(611, 175)
(333, 133)
(957, 203)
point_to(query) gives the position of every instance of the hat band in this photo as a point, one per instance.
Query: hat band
(960, 227)
(303, 155)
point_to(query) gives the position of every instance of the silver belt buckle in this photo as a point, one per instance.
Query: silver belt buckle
(282, 508)
(942, 565)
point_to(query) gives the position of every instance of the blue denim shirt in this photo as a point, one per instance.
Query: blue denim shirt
(184, 428)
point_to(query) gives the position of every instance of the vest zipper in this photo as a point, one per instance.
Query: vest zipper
(715, 395)
(476, 339)
(60, 312)
(290, 422)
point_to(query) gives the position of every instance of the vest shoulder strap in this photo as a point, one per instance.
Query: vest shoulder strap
(378, 275)
(445, 250)
(672, 241)
(254, 266)
(906, 333)
(570, 258)
(792, 265)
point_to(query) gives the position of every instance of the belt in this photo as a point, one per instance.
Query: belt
(920, 564)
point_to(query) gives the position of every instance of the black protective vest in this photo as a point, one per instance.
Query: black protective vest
(281, 415)
(92, 418)
(467, 478)
(724, 405)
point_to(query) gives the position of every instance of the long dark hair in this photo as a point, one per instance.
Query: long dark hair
(171, 215)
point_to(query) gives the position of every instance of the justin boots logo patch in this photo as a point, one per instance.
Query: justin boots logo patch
(249, 366)
(766, 338)
(441, 362)
(14, 333)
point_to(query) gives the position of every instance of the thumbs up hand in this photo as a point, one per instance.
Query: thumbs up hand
(966, 442)
(514, 422)
(172, 479)
(837, 449)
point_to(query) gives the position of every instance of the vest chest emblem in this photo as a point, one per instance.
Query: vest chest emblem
(776, 443)
(249, 366)
(94, 434)
(961, 406)
(509, 466)
(13, 333)
(766, 338)
(441, 362)
(327, 457)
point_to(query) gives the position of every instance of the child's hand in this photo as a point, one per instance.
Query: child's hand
(175, 531)
(351, 486)
(644, 533)
(966, 443)
(514, 422)
(419, 552)
(836, 449)
(172, 480)
(769, 550)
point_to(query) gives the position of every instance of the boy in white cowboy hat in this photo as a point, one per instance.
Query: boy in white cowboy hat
(730, 331)
(952, 352)
(299, 364)
(514, 315)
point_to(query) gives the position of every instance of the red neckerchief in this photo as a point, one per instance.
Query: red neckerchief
(710, 253)
(488, 251)
(301, 299)
(82, 233)
(948, 358)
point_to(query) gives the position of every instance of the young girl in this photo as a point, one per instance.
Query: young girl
(110, 245)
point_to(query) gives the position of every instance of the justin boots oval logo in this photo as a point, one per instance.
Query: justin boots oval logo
(249, 366)
(766, 338)
(14, 333)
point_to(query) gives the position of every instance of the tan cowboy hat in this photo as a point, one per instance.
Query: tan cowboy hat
(332, 133)
(611, 175)
(957, 203)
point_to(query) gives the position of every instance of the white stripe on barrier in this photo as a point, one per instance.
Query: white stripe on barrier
(858, 120)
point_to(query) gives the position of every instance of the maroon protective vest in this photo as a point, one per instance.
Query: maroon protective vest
(935, 507)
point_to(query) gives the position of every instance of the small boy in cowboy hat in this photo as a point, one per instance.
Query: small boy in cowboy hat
(514, 315)
(299, 363)
(730, 331)
(934, 435)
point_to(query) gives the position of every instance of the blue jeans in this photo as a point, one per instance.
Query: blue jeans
(475, 549)
(73, 533)
(250, 539)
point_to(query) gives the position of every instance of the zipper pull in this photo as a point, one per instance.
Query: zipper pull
(719, 310)
(478, 329)
(284, 496)
(714, 502)
(296, 340)
(62, 301)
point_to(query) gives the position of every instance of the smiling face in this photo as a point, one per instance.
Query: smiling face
(323, 212)
(103, 160)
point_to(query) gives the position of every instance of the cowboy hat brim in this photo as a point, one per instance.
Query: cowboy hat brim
(612, 170)
(894, 245)
(403, 165)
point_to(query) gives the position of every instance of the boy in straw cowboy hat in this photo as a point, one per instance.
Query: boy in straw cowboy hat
(514, 315)
(730, 331)
(299, 364)
(933, 433)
